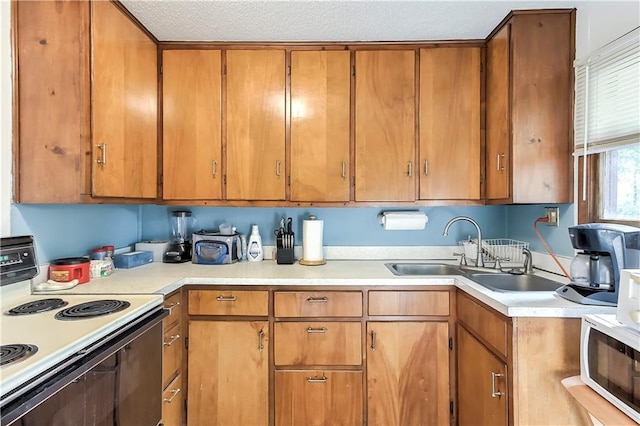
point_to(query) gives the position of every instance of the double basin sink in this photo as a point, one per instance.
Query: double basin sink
(495, 280)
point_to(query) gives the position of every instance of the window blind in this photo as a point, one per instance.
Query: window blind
(607, 97)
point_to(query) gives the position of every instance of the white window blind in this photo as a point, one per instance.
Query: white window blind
(607, 97)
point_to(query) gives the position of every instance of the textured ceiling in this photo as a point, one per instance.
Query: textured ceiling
(325, 20)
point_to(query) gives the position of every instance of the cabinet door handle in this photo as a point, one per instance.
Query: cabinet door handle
(409, 169)
(278, 168)
(373, 340)
(103, 157)
(171, 306)
(322, 379)
(316, 330)
(495, 393)
(260, 338)
(317, 299)
(426, 167)
(499, 165)
(174, 392)
(344, 170)
(227, 298)
(214, 168)
(173, 339)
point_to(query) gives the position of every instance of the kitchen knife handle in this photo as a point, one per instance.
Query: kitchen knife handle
(373, 340)
(227, 298)
(173, 339)
(103, 158)
(214, 168)
(495, 393)
(316, 330)
(344, 170)
(322, 379)
(260, 338)
(278, 168)
(317, 299)
(174, 392)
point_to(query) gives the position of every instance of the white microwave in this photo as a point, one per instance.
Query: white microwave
(610, 361)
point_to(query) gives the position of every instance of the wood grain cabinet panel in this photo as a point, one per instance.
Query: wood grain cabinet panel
(228, 302)
(408, 373)
(255, 125)
(318, 398)
(318, 343)
(450, 123)
(172, 342)
(172, 358)
(320, 114)
(173, 403)
(385, 125)
(317, 304)
(408, 303)
(493, 329)
(191, 125)
(228, 372)
(125, 106)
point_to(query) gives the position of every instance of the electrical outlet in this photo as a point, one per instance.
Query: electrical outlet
(553, 215)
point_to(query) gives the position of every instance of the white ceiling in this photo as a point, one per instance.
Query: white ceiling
(326, 20)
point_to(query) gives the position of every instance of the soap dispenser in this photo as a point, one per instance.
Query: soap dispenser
(255, 251)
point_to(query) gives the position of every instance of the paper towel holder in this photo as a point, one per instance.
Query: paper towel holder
(306, 262)
(403, 220)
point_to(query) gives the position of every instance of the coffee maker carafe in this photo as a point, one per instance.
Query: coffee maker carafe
(595, 272)
(182, 224)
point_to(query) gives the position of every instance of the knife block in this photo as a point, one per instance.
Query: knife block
(284, 256)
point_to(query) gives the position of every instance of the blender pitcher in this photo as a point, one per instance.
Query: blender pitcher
(182, 223)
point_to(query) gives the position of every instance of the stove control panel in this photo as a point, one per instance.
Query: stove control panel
(17, 259)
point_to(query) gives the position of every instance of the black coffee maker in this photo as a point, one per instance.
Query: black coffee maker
(595, 272)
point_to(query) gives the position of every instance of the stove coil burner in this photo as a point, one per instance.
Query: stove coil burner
(15, 353)
(37, 306)
(91, 309)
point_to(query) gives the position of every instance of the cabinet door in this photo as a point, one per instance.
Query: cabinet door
(318, 398)
(320, 105)
(173, 403)
(125, 106)
(450, 123)
(255, 107)
(408, 373)
(498, 117)
(191, 120)
(228, 373)
(482, 397)
(385, 125)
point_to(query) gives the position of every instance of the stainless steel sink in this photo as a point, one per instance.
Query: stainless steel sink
(508, 282)
(423, 269)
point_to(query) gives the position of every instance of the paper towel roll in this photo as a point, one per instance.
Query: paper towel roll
(398, 221)
(312, 250)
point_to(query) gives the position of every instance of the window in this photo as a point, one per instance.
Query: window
(607, 132)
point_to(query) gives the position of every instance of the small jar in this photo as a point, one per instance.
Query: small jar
(98, 254)
(110, 251)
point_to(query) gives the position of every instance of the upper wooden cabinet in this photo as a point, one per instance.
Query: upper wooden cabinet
(191, 125)
(255, 125)
(450, 123)
(385, 125)
(125, 106)
(529, 109)
(320, 113)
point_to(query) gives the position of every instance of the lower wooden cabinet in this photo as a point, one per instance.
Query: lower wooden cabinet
(318, 397)
(228, 369)
(173, 403)
(408, 373)
(482, 390)
(173, 392)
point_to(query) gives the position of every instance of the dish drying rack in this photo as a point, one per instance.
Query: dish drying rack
(508, 252)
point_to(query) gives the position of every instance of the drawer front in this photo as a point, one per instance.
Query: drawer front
(174, 304)
(485, 323)
(317, 304)
(318, 343)
(172, 403)
(409, 303)
(228, 302)
(172, 343)
(318, 397)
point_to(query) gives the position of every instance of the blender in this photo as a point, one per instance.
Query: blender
(179, 250)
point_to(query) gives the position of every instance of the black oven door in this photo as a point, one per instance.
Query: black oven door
(119, 384)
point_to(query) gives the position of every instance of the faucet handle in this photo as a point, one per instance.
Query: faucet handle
(463, 258)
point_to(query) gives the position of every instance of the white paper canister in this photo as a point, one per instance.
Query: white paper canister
(312, 250)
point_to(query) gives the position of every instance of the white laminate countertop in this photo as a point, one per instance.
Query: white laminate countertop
(164, 278)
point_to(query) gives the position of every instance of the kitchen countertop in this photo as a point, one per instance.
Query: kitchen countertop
(162, 278)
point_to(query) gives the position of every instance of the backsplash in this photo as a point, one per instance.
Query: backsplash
(72, 230)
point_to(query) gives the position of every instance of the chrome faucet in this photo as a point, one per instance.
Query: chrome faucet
(528, 262)
(479, 259)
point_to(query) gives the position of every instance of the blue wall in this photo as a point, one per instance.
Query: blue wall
(72, 230)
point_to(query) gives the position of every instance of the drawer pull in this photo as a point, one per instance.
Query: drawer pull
(227, 298)
(322, 379)
(171, 306)
(260, 344)
(324, 299)
(173, 392)
(495, 393)
(316, 330)
(173, 339)
(373, 340)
